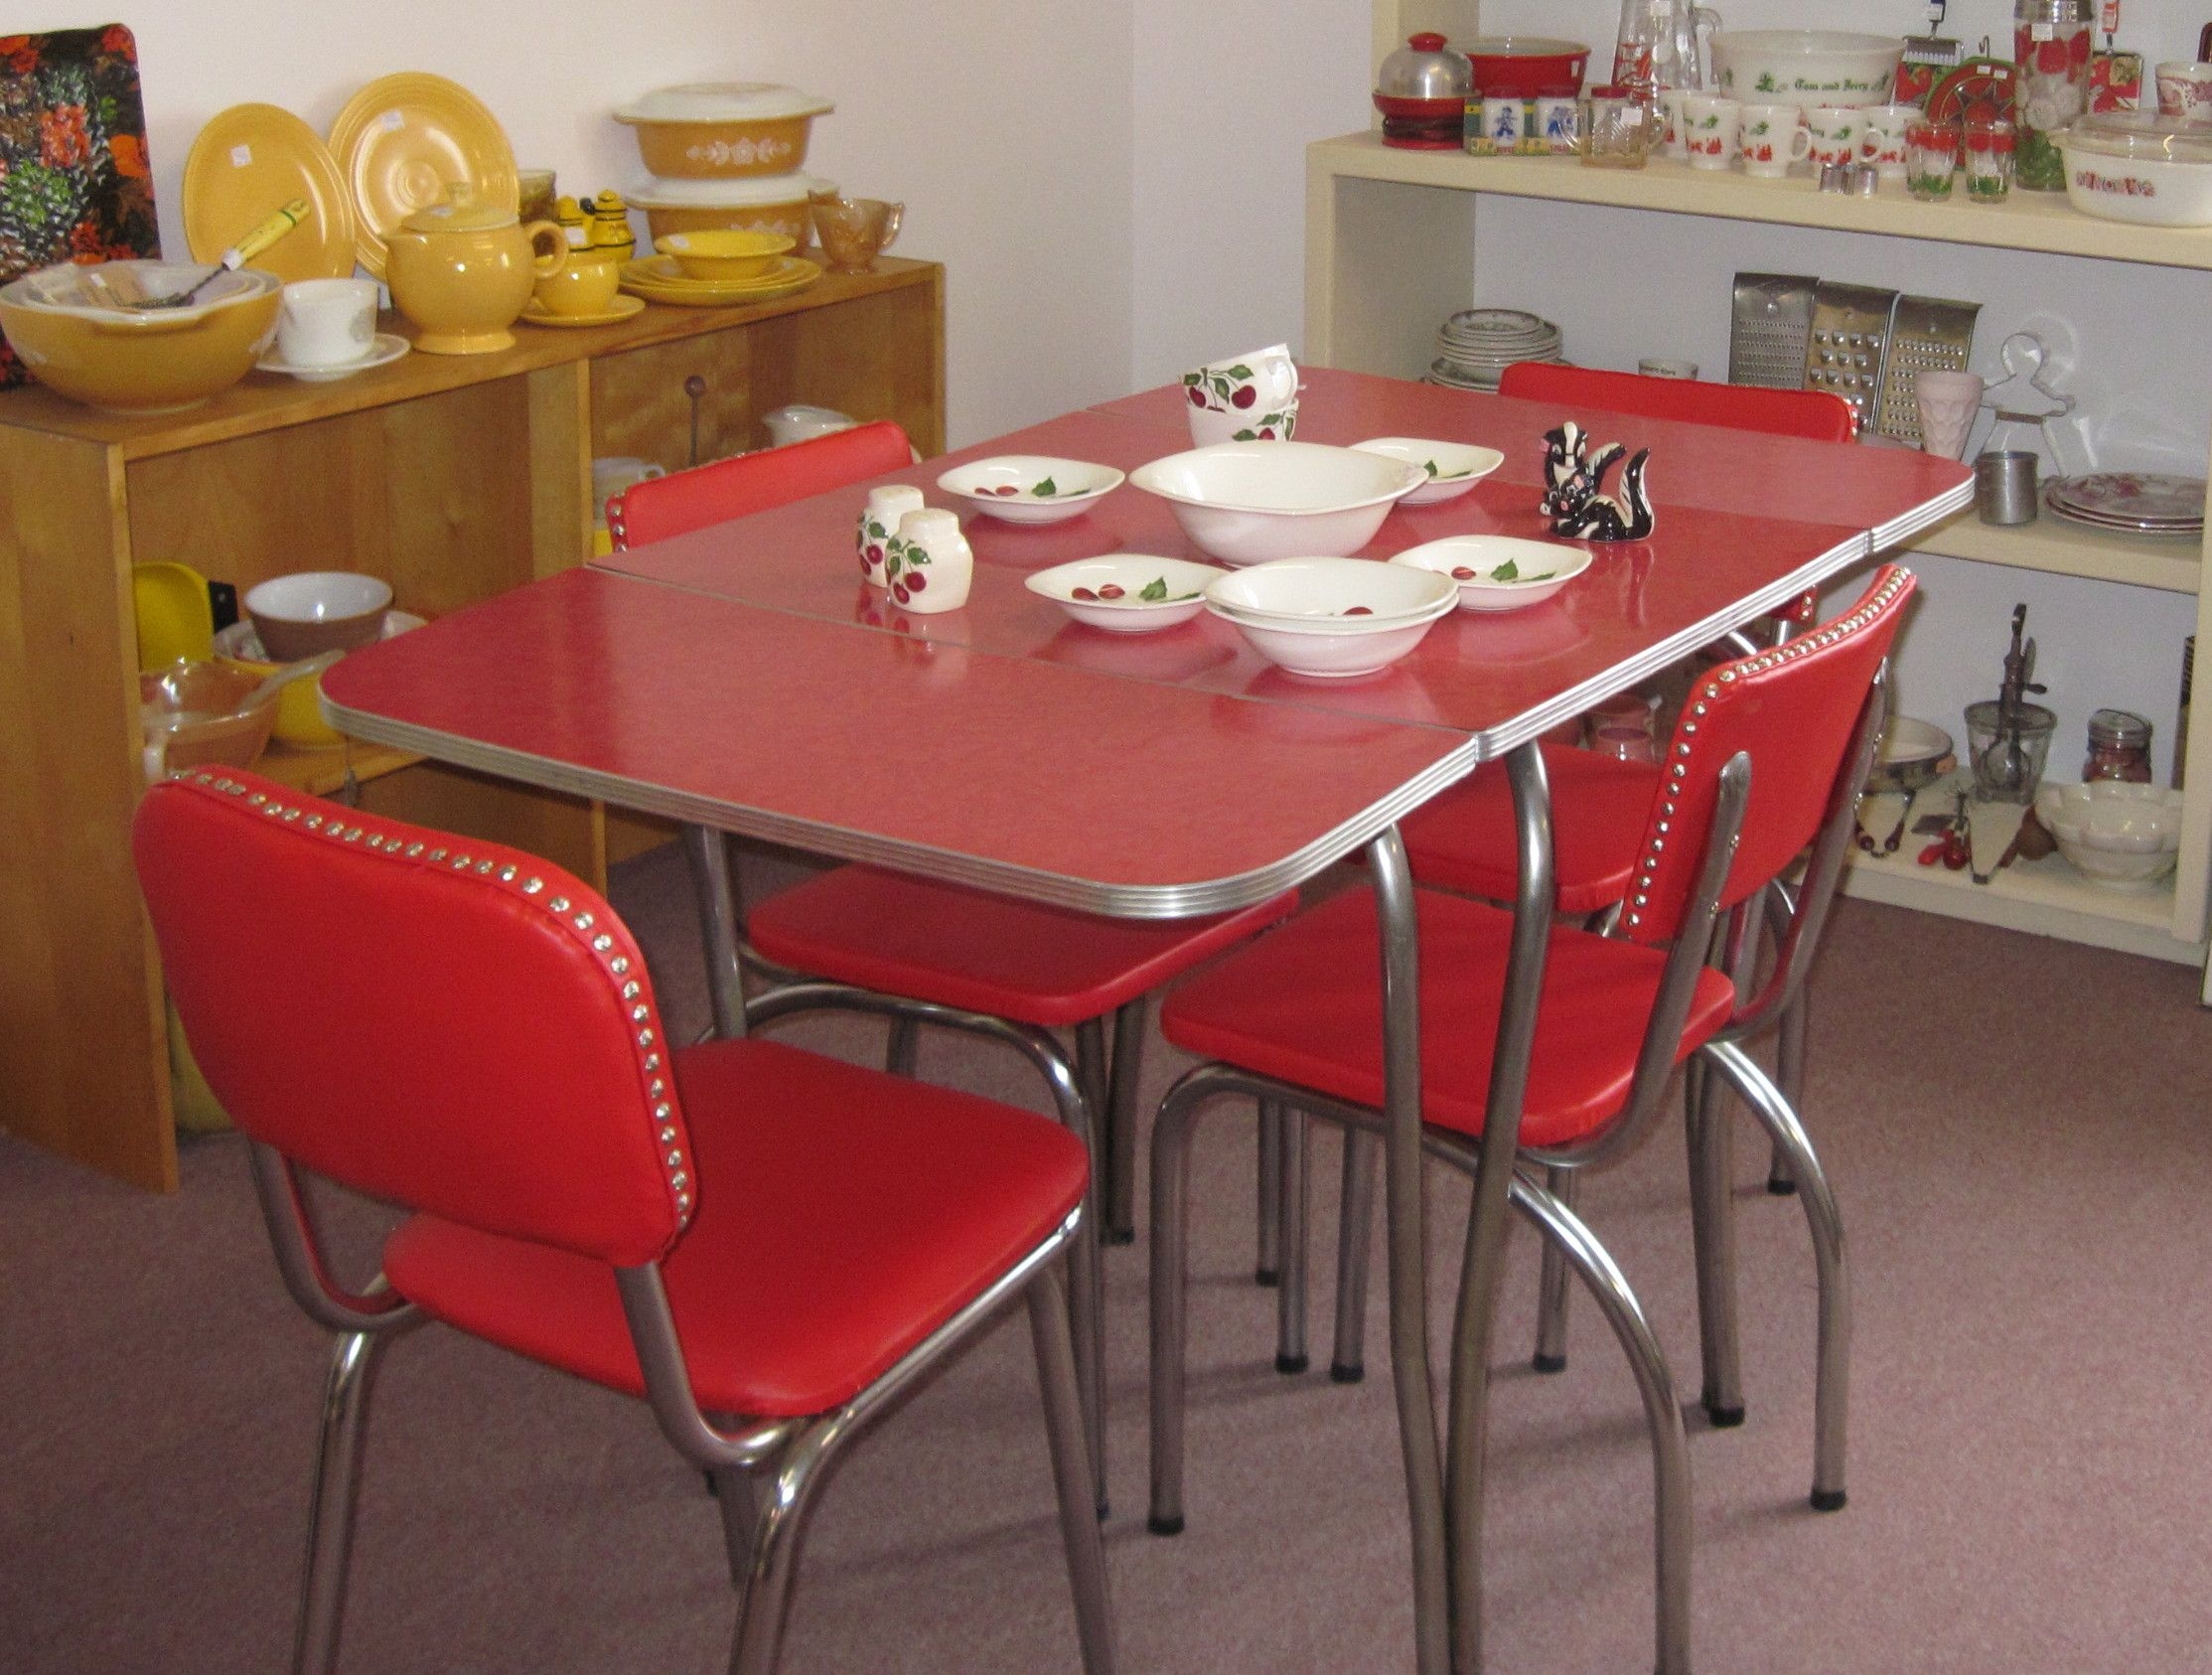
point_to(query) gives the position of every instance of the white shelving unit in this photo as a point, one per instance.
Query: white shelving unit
(1391, 238)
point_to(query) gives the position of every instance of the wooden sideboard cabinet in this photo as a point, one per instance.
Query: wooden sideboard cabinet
(454, 479)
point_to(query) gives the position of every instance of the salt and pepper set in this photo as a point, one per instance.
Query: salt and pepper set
(914, 550)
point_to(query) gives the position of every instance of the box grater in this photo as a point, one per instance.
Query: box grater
(1925, 333)
(1770, 330)
(1849, 345)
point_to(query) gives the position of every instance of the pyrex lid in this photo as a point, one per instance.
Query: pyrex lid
(1424, 69)
(724, 101)
(2141, 136)
(654, 192)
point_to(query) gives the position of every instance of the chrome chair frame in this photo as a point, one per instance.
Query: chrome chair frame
(789, 1456)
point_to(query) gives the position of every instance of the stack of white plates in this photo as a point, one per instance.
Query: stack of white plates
(1476, 345)
(2137, 502)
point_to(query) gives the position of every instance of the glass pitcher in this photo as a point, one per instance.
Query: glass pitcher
(1664, 44)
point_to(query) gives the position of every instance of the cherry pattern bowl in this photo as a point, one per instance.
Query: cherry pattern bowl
(1126, 592)
(1031, 488)
(1453, 467)
(1499, 572)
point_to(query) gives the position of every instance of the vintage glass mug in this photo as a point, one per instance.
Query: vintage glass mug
(1712, 125)
(1836, 131)
(854, 231)
(1771, 138)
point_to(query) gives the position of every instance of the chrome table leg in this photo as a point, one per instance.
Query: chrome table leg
(1267, 1270)
(1070, 1471)
(1290, 1298)
(902, 1047)
(713, 883)
(1551, 1356)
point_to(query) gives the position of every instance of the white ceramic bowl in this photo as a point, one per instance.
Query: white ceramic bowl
(1540, 568)
(2125, 836)
(314, 611)
(1342, 595)
(1126, 592)
(1030, 488)
(1807, 68)
(1452, 467)
(1330, 653)
(1249, 502)
(2137, 167)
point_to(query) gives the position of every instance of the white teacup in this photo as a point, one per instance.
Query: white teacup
(327, 322)
(1836, 132)
(1771, 138)
(879, 521)
(1674, 125)
(929, 563)
(1711, 125)
(1882, 143)
(2186, 90)
(1243, 398)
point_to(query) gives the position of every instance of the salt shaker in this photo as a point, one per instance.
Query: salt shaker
(927, 563)
(879, 521)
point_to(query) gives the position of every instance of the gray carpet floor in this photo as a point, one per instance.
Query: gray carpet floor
(2022, 1139)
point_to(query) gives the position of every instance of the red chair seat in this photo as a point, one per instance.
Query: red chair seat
(1042, 965)
(843, 1215)
(1466, 840)
(1304, 1006)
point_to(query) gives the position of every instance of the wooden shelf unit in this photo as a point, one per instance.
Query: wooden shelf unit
(454, 478)
(1391, 238)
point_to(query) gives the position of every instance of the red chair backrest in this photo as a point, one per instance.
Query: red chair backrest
(451, 1025)
(1813, 413)
(1794, 710)
(685, 501)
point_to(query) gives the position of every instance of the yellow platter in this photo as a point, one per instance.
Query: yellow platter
(404, 141)
(657, 279)
(250, 160)
(622, 308)
(176, 621)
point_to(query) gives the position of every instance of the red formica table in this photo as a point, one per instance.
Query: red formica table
(744, 679)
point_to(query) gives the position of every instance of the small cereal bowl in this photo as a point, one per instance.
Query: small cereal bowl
(1343, 594)
(1031, 488)
(316, 611)
(1126, 592)
(1499, 572)
(1453, 467)
(1333, 653)
(725, 253)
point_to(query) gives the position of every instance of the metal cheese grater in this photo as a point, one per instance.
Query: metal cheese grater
(1771, 329)
(1849, 344)
(1925, 334)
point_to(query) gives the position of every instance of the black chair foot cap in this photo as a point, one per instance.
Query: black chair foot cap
(1550, 1363)
(1117, 1236)
(1828, 1500)
(1291, 1364)
(1780, 1189)
(1163, 1526)
(1102, 1509)
(1267, 1277)
(1339, 1373)
(1723, 1419)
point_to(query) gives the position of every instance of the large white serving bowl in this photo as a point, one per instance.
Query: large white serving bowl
(1472, 562)
(1109, 593)
(1246, 502)
(1339, 594)
(1807, 68)
(1030, 488)
(2125, 836)
(1452, 467)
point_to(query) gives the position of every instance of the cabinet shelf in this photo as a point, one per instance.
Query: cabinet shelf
(2044, 897)
(324, 772)
(2025, 221)
(2068, 549)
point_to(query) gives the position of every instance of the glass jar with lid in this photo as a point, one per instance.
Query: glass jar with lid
(2051, 44)
(2119, 747)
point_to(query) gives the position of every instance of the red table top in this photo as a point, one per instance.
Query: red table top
(1719, 556)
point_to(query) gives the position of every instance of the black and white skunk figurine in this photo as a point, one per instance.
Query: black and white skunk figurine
(1575, 479)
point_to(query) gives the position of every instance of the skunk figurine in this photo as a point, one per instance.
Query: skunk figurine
(1575, 479)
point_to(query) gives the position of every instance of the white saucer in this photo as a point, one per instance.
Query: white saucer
(387, 348)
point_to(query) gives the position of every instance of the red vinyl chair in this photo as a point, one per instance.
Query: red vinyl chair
(1816, 414)
(767, 1245)
(1767, 758)
(859, 937)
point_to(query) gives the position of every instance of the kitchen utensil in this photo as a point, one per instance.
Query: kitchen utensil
(405, 142)
(2005, 487)
(723, 130)
(1926, 57)
(2009, 738)
(250, 156)
(1882, 820)
(73, 325)
(1616, 128)
(854, 231)
(1849, 345)
(1421, 90)
(2133, 166)
(1771, 330)
(1525, 65)
(1806, 67)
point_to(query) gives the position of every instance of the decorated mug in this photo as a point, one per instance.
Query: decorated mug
(1674, 125)
(1882, 141)
(1836, 132)
(879, 523)
(2186, 90)
(1771, 138)
(1246, 398)
(927, 563)
(1711, 125)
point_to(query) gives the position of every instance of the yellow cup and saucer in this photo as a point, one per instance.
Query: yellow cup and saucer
(586, 290)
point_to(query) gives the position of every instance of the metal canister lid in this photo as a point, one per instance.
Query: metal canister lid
(2122, 730)
(2063, 14)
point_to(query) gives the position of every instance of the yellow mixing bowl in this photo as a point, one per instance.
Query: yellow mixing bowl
(299, 706)
(75, 330)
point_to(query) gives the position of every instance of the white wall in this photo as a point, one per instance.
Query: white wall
(1004, 124)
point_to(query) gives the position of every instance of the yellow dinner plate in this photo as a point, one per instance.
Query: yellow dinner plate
(404, 141)
(657, 279)
(622, 308)
(252, 160)
(175, 619)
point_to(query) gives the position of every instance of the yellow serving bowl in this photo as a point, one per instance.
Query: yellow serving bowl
(724, 254)
(73, 329)
(299, 707)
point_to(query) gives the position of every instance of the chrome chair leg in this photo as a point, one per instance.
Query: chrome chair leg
(1171, 1161)
(1117, 1150)
(1551, 1356)
(1268, 1268)
(1363, 1152)
(330, 1518)
(1790, 1068)
(1290, 1298)
(765, 1600)
(1566, 1233)
(902, 1048)
(740, 1509)
(1832, 1386)
(1070, 1471)
(714, 885)
(1712, 1235)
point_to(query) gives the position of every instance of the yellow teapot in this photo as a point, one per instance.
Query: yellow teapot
(462, 271)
